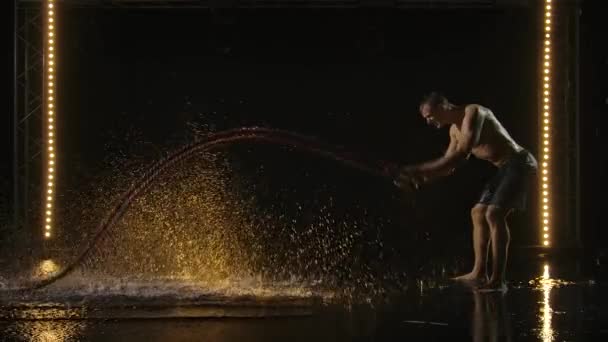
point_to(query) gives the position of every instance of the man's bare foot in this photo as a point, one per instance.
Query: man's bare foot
(472, 277)
(493, 286)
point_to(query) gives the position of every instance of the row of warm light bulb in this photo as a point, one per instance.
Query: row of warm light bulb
(51, 96)
(50, 59)
(546, 122)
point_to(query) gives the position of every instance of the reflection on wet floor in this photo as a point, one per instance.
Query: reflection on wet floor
(541, 308)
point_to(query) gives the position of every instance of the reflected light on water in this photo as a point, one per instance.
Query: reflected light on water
(49, 336)
(546, 313)
(47, 331)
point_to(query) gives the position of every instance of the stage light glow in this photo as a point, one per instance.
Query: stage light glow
(546, 128)
(50, 59)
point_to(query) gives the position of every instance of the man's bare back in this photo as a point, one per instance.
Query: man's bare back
(495, 144)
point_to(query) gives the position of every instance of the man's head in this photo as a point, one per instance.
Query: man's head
(434, 108)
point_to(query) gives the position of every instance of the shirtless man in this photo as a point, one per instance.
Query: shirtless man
(475, 130)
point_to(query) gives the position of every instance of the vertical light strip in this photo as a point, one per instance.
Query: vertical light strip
(50, 58)
(546, 124)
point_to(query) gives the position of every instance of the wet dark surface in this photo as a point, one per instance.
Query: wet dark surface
(549, 299)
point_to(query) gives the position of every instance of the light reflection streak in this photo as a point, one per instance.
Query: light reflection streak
(47, 331)
(546, 312)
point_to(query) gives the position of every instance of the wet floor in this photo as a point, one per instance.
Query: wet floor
(549, 299)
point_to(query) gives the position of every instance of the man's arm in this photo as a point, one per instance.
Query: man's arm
(458, 150)
(452, 148)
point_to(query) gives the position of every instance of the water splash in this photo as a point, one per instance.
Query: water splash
(231, 235)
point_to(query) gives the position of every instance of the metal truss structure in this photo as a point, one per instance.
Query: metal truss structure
(29, 148)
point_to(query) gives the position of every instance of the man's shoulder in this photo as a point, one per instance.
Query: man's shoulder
(476, 112)
(474, 108)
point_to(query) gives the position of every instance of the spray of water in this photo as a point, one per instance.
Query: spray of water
(219, 237)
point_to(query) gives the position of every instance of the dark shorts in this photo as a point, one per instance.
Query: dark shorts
(510, 185)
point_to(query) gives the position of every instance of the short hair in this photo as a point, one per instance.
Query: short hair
(434, 99)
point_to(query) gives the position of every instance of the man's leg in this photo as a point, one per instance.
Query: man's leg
(500, 238)
(480, 244)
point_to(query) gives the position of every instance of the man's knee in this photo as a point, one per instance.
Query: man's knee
(478, 212)
(495, 215)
